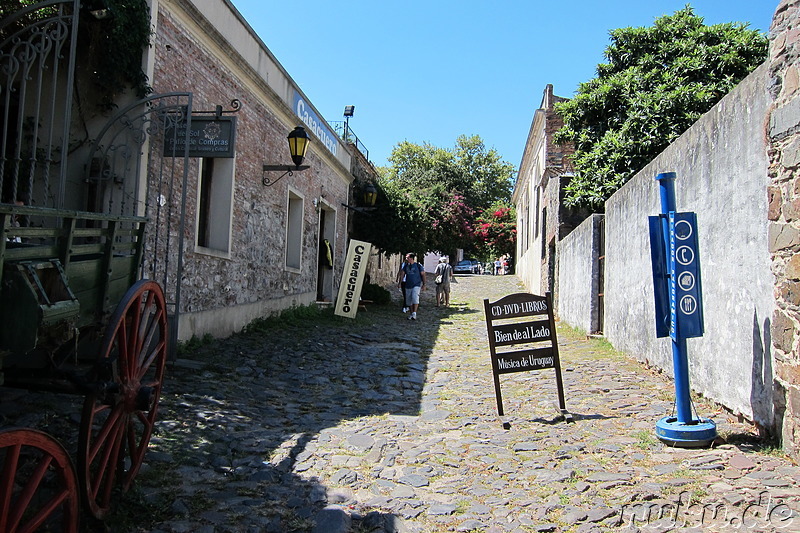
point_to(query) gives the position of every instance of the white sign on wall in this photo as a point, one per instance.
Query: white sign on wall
(314, 123)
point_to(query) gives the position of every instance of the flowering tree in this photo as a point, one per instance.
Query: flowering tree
(430, 197)
(496, 230)
(452, 224)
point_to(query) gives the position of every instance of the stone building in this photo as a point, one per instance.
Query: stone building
(748, 360)
(229, 240)
(542, 218)
(784, 216)
(250, 249)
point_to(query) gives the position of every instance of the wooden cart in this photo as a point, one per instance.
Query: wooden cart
(75, 317)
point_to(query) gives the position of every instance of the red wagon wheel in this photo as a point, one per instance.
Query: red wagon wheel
(116, 424)
(38, 485)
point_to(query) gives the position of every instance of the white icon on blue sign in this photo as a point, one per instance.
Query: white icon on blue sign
(686, 281)
(688, 304)
(684, 255)
(683, 230)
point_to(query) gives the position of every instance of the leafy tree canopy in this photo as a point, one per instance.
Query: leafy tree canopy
(431, 197)
(657, 82)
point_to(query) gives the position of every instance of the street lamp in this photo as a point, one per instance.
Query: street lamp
(348, 112)
(369, 194)
(298, 144)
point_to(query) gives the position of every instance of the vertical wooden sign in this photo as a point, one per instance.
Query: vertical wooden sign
(525, 322)
(355, 268)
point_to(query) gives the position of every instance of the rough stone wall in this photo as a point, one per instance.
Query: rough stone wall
(557, 154)
(230, 290)
(784, 215)
(551, 200)
(551, 182)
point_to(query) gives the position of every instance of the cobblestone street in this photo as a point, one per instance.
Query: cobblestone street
(384, 424)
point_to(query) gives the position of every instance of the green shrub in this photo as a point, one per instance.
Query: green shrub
(286, 317)
(375, 293)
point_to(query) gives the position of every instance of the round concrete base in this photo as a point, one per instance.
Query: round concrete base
(696, 434)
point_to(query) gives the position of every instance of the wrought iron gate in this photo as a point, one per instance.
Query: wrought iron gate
(134, 169)
(37, 63)
(129, 166)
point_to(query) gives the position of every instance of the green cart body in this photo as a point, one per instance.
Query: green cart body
(61, 273)
(77, 314)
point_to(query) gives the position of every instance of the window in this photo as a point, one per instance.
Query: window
(214, 204)
(544, 232)
(294, 231)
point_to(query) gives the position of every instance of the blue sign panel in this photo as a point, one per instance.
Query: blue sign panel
(685, 294)
(658, 260)
(314, 123)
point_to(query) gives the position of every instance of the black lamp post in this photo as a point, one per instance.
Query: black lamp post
(298, 144)
(348, 112)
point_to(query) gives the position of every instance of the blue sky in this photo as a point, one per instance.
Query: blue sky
(429, 71)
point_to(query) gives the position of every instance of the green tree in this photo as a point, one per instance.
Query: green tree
(430, 197)
(657, 82)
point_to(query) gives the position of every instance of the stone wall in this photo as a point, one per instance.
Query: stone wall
(537, 197)
(784, 215)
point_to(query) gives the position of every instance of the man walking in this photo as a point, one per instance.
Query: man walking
(415, 282)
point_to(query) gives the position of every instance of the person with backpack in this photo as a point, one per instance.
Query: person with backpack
(443, 272)
(415, 282)
(406, 305)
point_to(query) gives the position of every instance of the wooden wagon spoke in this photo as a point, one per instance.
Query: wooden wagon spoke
(38, 485)
(41, 517)
(108, 425)
(35, 479)
(6, 489)
(109, 465)
(123, 354)
(147, 362)
(136, 337)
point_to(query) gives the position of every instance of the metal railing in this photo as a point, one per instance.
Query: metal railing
(345, 132)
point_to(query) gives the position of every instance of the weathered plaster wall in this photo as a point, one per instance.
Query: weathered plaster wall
(721, 168)
(784, 216)
(578, 275)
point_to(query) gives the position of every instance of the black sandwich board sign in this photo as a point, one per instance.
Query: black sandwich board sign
(525, 322)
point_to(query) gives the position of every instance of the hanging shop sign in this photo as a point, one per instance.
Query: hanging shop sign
(208, 137)
(525, 322)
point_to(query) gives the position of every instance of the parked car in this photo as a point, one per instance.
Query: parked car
(466, 266)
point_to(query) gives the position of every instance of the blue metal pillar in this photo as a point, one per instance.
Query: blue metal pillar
(684, 429)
